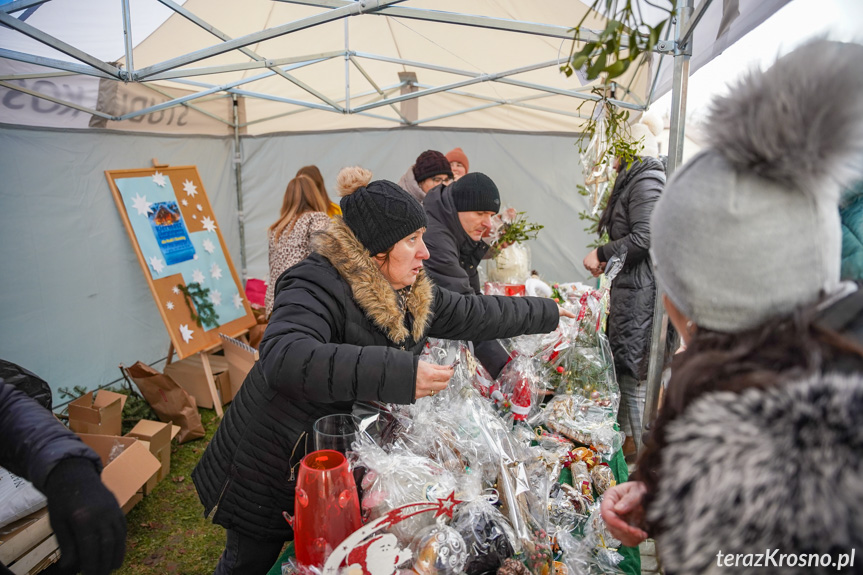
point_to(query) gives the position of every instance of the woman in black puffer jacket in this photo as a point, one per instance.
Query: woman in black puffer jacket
(348, 324)
(626, 219)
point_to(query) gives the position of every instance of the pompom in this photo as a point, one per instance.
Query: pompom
(351, 179)
(653, 122)
(800, 123)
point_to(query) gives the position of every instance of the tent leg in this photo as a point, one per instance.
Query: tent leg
(238, 176)
(675, 157)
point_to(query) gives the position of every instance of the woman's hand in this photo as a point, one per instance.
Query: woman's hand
(592, 264)
(432, 378)
(623, 513)
(565, 312)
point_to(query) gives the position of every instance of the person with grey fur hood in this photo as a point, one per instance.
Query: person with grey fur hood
(348, 325)
(754, 462)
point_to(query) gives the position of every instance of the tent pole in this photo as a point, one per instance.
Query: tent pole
(238, 176)
(658, 338)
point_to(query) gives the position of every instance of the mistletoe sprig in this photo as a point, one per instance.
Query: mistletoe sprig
(512, 227)
(625, 39)
(206, 313)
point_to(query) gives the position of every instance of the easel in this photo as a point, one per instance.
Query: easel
(208, 370)
(184, 216)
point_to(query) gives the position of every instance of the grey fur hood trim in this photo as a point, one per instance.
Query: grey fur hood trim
(766, 469)
(798, 123)
(370, 289)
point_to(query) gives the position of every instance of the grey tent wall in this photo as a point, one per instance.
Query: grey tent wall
(535, 173)
(73, 301)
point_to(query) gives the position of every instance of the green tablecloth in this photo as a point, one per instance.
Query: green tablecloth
(631, 563)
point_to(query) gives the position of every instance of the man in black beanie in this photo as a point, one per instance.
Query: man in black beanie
(458, 217)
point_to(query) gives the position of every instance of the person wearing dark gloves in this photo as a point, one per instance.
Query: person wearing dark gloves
(348, 325)
(458, 217)
(86, 518)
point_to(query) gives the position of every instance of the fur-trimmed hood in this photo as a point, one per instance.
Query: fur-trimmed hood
(371, 291)
(776, 469)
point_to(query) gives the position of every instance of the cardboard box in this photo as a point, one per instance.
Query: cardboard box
(157, 435)
(28, 545)
(240, 357)
(189, 374)
(102, 415)
(126, 474)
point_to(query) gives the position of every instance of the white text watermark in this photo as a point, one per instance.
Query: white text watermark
(774, 558)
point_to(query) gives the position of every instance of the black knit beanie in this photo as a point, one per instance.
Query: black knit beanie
(475, 192)
(430, 164)
(381, 214)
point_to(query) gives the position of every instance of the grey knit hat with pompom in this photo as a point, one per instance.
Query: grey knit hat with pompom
(749, 229)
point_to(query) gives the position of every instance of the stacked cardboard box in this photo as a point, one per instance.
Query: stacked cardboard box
(157, 436)
(99, 415)
(189, 374)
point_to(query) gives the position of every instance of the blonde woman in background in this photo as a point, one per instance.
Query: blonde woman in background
(315, 174)
(304, 211)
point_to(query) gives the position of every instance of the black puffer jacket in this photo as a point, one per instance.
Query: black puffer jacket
(336, 336)
(32, 441)
(633, 293)
(453, 262)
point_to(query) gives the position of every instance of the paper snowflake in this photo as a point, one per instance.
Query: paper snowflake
(208, 224)
(141, 204)
(159, 179)
(215, 271)
(208, 246)
(238, 301)
(200, 208)
(186, 332)
(169, 304)
(190, 188)
(197, 276)
(216, 297)
(176, 290)
(194, 216)
(157, 264)
(184, 202)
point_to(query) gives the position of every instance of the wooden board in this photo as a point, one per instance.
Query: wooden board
(178, 242)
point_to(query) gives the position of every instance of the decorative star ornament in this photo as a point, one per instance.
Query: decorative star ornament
(215, 271)
(208, 246)
(176, 290)
(238, 301)
(446, 505)
(169, 304)
(216, 297)
(200, 207)
(157, 264)
(141, 204)
(185, 202)
(198, 276)
(159, 179)
(208, 224)
(186, 332)
(189, 187)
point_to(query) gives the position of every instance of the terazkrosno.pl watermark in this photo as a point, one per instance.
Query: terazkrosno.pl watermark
(774, 558)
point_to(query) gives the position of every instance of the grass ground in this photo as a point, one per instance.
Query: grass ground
(167, 530)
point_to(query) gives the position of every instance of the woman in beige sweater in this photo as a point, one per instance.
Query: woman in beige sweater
(303, 212)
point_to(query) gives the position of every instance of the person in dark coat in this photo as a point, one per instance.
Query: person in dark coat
(458, 217)
(85, 516)
(754, 459)
(349, 324)
(626, 219)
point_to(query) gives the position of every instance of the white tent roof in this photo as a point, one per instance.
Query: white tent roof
(313, 65)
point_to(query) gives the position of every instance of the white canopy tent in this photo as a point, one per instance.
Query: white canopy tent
(249, 92)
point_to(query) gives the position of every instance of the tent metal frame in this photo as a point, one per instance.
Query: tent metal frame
(175, 71)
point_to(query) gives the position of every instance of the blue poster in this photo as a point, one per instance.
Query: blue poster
(171, 234)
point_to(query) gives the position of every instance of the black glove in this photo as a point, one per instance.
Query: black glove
(85, 516)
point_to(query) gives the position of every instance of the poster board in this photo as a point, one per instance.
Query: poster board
(179, 245)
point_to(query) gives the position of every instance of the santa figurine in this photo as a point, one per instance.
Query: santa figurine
(521, 400)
